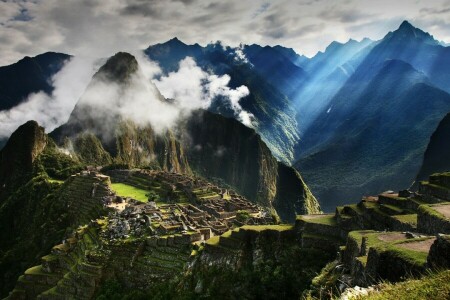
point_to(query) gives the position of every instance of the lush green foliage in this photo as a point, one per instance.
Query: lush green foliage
(434, 286)
(55, 163)
(32, 221)
(125, 190)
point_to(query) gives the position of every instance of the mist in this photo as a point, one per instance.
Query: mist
(52, 110)
(142, 100)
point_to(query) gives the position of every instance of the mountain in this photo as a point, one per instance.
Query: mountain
(18, 156)
(327, 73)
(206, 143)
(437, 155)
(294, 57)
(275, 67)
(29, 75)
(272, 109)
(364, 130)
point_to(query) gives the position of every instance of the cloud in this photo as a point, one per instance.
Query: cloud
(101, 28)
(53, 110)
(193, 88)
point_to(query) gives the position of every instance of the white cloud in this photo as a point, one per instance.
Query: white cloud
(53, 110)
(193, 88)
(101, 28)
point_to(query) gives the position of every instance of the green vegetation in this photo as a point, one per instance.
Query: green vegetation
(125, 190)
(433, 286)
(325, 219)
(410, 219)
(242, 216)
(30, 234)
(91, 150)
(56, 163)
(260, 228)
(51, 180)
(428, 209)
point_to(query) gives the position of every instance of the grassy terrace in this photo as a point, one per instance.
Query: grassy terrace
(413, 256)
(319, 219)
(409, 219)
(51, 180)
(434, 286)
(260, 228)
(125, 190)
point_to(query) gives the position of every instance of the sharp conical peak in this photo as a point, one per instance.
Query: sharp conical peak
(119, 67)
(406, 25)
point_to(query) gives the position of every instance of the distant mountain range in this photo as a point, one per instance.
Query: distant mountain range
(355, 119)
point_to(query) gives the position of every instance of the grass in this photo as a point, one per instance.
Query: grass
(409, 219)
(125, 190)
(52, 180)
(434, 286)
(260, 228)
(427, 209)
(325, 220)
(214, 240)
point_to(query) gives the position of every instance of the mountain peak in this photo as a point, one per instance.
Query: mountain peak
(119, 67)
(406, 31)
(406, 25)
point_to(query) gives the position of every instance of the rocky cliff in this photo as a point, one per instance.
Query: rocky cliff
(18, 155)
(208, 144)
(437, 156)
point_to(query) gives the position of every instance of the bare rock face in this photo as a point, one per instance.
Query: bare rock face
(439, 255)
(223, 148)
(437, 156)
(18, 155)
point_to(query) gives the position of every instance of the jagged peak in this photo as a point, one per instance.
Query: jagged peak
(406, 26)
(118, 67)
(407, 31)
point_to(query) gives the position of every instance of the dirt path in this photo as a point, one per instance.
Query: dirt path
(389, 237)
(311, 217)
(421, 246)
(443, 209)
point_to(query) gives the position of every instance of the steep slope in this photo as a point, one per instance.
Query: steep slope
(223, 148)
(272, 109)
(110, 136)
(31, 217)
(18, 156)
(29, 75)
(437, 156)
(294, 57)
(368, 116)
(206, 143)
(327, 73)
(275, 67)
(376, 146)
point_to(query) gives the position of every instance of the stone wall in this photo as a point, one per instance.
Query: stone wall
(439, 255)
(432, 222)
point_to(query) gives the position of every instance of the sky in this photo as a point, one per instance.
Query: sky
(100, 28)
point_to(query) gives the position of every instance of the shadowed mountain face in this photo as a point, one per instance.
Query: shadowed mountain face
(268, 75)
(374, 131)
(18, 155)
(437, 156)
(204, 143)
(339, 115)
(29, 75)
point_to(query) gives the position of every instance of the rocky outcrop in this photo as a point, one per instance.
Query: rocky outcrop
(431, 221)
(219, 147)
(439, 255)
(437, 156)
(208, 144)
(18, 155)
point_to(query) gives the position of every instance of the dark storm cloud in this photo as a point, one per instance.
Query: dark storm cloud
(100, 28)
